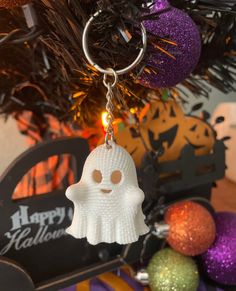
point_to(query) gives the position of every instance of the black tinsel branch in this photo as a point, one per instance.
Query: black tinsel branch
(209, 5)
(50, 74)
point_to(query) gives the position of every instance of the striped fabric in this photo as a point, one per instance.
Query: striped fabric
(97, 284)
(57, 171)
(121, 280)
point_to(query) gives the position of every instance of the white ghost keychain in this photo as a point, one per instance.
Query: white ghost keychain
(107, 200)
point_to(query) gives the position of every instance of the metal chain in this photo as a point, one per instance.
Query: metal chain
(109, 107)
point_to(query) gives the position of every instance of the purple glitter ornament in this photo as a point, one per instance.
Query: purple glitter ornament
(220, 260)
(205, 286)
(174, 25)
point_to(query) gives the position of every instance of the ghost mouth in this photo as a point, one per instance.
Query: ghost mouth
(106, 191)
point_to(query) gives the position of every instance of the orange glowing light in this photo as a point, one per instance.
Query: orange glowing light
(104, 119)
(133, 110)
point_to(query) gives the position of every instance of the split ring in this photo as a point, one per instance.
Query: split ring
(108, 71)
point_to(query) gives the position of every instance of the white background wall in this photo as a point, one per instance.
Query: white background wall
(12, 143)
(210, 104)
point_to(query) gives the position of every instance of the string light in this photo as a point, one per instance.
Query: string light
(104, 119)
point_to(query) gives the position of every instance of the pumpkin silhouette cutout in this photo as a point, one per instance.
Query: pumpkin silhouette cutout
(161, 129)
(164, 128)
(130, 139)
(199, 134)
(161, 109)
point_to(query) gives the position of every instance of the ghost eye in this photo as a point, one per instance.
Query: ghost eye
(97, 176)
(116, 177)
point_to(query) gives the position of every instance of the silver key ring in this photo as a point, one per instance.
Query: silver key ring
(105, 71)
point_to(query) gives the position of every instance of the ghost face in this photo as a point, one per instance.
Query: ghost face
(107, 171)
(115, 179)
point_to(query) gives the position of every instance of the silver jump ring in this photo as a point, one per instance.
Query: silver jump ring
(111, 73)
(105, 71)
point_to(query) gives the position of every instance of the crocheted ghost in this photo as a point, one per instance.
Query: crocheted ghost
(107, 200)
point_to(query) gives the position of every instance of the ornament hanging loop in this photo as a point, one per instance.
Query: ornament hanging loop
(113, 73)
(107, 71)
(109, 106)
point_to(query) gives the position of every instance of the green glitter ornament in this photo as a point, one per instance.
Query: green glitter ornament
(171, 271)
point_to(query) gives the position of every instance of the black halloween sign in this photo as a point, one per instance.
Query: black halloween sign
(33, 233)
(23, 221)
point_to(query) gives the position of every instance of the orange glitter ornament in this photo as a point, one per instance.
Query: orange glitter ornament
(13, 3)
(192, 228)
